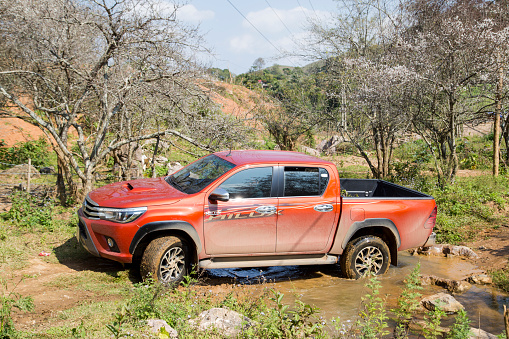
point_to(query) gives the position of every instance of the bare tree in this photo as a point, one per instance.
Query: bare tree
(451, 48)
(95, 75)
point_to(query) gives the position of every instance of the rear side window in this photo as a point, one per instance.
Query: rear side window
(305, 181)
(249, 183)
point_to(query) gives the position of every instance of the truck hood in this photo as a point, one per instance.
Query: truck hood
(136, 193)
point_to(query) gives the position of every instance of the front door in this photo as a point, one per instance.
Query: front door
(246, 224)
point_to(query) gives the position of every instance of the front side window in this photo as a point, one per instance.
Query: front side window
(305, 181)
(249, 183)
(200, 174)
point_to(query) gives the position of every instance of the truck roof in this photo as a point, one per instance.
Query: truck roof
(256, 156)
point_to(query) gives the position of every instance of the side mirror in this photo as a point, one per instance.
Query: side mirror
(219, 194)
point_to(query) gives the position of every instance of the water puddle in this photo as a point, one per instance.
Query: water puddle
(323, 287)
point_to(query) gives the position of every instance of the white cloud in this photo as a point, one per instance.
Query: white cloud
(273, 20)
(191, 14)
(245, 43)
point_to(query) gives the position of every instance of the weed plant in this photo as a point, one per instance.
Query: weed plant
(373, 315)
(461, 327)
(30, 212)
(408, 303)
(501, 278)
(8, 301)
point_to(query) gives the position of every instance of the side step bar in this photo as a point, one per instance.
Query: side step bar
(265, 261)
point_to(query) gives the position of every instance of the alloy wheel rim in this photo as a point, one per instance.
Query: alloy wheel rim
(172, 264)
(369, 259)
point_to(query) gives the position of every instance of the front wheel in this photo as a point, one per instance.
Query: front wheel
(165, 260)
(363, 255)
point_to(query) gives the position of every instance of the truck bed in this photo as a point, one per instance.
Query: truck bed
(373, 188)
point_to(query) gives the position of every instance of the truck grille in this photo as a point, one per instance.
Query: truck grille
(90, 209)
(81, 228)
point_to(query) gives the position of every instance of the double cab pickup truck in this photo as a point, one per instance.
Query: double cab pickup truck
(255, 209)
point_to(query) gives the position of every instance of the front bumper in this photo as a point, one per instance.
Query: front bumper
(91, 234)
(431, 240)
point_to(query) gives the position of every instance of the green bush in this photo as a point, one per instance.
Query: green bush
(461, 327)
(468, 204)
(30, 212)
(36, 150)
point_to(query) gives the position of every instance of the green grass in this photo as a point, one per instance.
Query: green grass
(468, 205)
(501, 278)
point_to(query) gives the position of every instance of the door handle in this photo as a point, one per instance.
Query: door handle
(266, 209)
(323, 208)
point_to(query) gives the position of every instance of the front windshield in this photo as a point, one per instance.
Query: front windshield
(200, 174)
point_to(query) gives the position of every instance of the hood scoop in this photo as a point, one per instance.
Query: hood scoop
(133, 189)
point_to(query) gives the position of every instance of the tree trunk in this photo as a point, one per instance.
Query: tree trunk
(496, 123)
(88, 186)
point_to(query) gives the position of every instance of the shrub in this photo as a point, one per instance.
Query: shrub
(30, 212)
(36, 150)
(408, 302)
(373, 323)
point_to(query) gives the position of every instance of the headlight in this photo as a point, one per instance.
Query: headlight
(121, 215)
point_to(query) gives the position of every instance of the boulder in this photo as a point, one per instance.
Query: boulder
(448, 250)
(155, 326)
(462, 251)
(454, 286)
(173, 167)
(21, 171)
(310, 151)
(230, 323)
(48, 170)
(160, 160)
(330, 146)
(477, 333)
(480, 279)
(443, 300)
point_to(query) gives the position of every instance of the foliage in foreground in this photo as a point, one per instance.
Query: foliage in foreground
(8, 301)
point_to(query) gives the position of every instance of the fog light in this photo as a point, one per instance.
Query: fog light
(112, 244)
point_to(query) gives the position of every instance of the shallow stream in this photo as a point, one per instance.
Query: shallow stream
(338, 297)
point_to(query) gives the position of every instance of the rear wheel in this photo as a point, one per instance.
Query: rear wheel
(363, 255)
(166, 260)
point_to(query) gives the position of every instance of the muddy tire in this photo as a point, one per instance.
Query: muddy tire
(365, 254)
(165, 260)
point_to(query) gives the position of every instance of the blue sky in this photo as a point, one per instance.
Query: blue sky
(236, 43)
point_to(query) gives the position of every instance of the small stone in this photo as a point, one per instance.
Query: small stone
(156, 325)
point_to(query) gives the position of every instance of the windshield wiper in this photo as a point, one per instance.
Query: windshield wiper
(174, 184)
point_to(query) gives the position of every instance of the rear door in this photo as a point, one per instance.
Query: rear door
(246, 224)
(306, 209)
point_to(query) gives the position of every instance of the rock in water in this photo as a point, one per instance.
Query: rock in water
(445, 301)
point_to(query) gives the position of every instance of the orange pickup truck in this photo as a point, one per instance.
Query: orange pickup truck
(255, 209)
